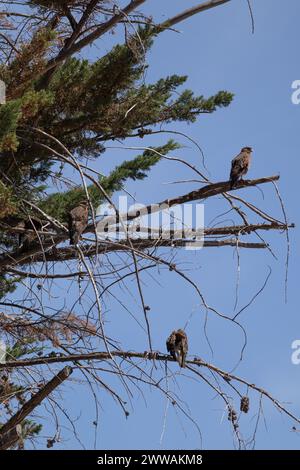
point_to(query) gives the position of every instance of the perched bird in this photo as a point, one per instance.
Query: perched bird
(78, 221)
(30, 235)
(177, 346)
(240, 165)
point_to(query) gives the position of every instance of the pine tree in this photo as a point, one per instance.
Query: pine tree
(105, 90)
(60, 112)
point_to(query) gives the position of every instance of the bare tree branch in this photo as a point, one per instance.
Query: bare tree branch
(190, 12)
(96, 34)
(69, 253)
(35, 401)
(104, 356)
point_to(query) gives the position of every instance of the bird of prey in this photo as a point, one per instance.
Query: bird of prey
(177, 346)
(30, 235)
(78, 221)
(240, 165)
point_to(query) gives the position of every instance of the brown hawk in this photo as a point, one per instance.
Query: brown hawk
(78, 221)
(177, 346)
(240, 165)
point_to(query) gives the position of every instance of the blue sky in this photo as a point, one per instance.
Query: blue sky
(217, 51)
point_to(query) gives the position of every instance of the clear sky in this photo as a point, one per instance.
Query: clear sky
(218, 51)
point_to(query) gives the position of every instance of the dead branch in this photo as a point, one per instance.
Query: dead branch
(157, 356)
(210, 190)
(73, 48)
(215, 189)
(31, 404)
(210, 231)
(190, 12)
(68, 253)
(205, 192)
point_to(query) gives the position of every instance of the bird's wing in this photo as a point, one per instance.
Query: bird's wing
(78, 213)
(185, 344)
(78, 219)
(183, 352)
(72, 228)
(70, 221)
(170, 343)
(240, 165)
(238, 157)
(241, 161)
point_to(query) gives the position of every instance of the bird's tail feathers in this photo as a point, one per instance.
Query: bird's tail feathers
(181, 359)
(233, 181)
(73, 239)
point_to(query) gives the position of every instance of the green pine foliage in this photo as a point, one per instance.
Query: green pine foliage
(9, 116)
(23, 348)
(80, 106)
(58, 5)
(59, 204)
(7, 285)
(83, 105)
(137, 168)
